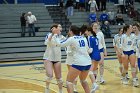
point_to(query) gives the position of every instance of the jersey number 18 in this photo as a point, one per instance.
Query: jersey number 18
(82, 43)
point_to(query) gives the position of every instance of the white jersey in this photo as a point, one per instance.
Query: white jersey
(101, 39)
(117, 40)
(79, 49)
(53, 52)
(127, 42)
(137, 37)
(69, 59)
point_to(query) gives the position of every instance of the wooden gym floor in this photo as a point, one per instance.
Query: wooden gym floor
(29, 77)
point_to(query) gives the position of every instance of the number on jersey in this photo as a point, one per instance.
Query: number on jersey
(82, 43)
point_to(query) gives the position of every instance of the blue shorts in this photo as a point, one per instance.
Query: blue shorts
(95, 56)
(101, 50)
(81, 68)
(139, 63)
(128, 52)
(134, 52)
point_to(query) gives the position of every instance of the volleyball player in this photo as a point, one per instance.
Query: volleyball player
(138, 54)
(81, 59)
(116, 44)
(69, 62)
(127, 47)
(52, 58)
(136, 33)
(103, 51)
(95, 55)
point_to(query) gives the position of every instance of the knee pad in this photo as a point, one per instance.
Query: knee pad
(133, 69)
(48, 79)
(90, 73)
(83, 81)
(95, 72)
(69, 83)
(60, 81)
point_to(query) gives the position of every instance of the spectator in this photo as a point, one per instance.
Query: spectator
(106, 29)
(87, 6)
(122, 6)
(69, 6)
(61, 4)
(111, 15)
(98, 4)
(92, 18)
(119, 18)
(31, 19)
(93, 6)
(104, 17)
(103, 5)
(77, 4)
(82, 5)
(132, 12)
(23, 24)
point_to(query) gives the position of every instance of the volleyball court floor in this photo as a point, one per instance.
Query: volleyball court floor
(29, 77)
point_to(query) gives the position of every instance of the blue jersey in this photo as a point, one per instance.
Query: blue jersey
(94, 44)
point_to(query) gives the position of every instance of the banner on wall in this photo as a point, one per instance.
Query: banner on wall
(46, 2)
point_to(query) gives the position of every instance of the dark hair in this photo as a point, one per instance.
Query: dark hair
(23, 14)
(83, 28)
(54, 25)
(136, 24)
(125, 28)
(75, 30)
(91, 30)
(120, 29)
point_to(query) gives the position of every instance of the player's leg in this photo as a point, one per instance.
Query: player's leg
(57, 71)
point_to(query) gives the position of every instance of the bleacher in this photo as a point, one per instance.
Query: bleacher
(12, 45)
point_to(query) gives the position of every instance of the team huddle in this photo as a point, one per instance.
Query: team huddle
(85, 48)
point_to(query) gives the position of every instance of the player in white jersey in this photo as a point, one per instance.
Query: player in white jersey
(69, 63)
(95, 54)
(103, 52)
(116, 44)
(127, 47)
(52, 58)
(81, 59)
(136, 31)
(138, 53)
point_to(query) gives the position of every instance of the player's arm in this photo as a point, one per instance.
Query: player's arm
(64, 43)
(104, 45)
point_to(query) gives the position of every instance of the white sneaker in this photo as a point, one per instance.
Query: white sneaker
(121, 77)
(125, 81)
(135, 82)
(102, 81)
(47, 90)
(94, 88)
